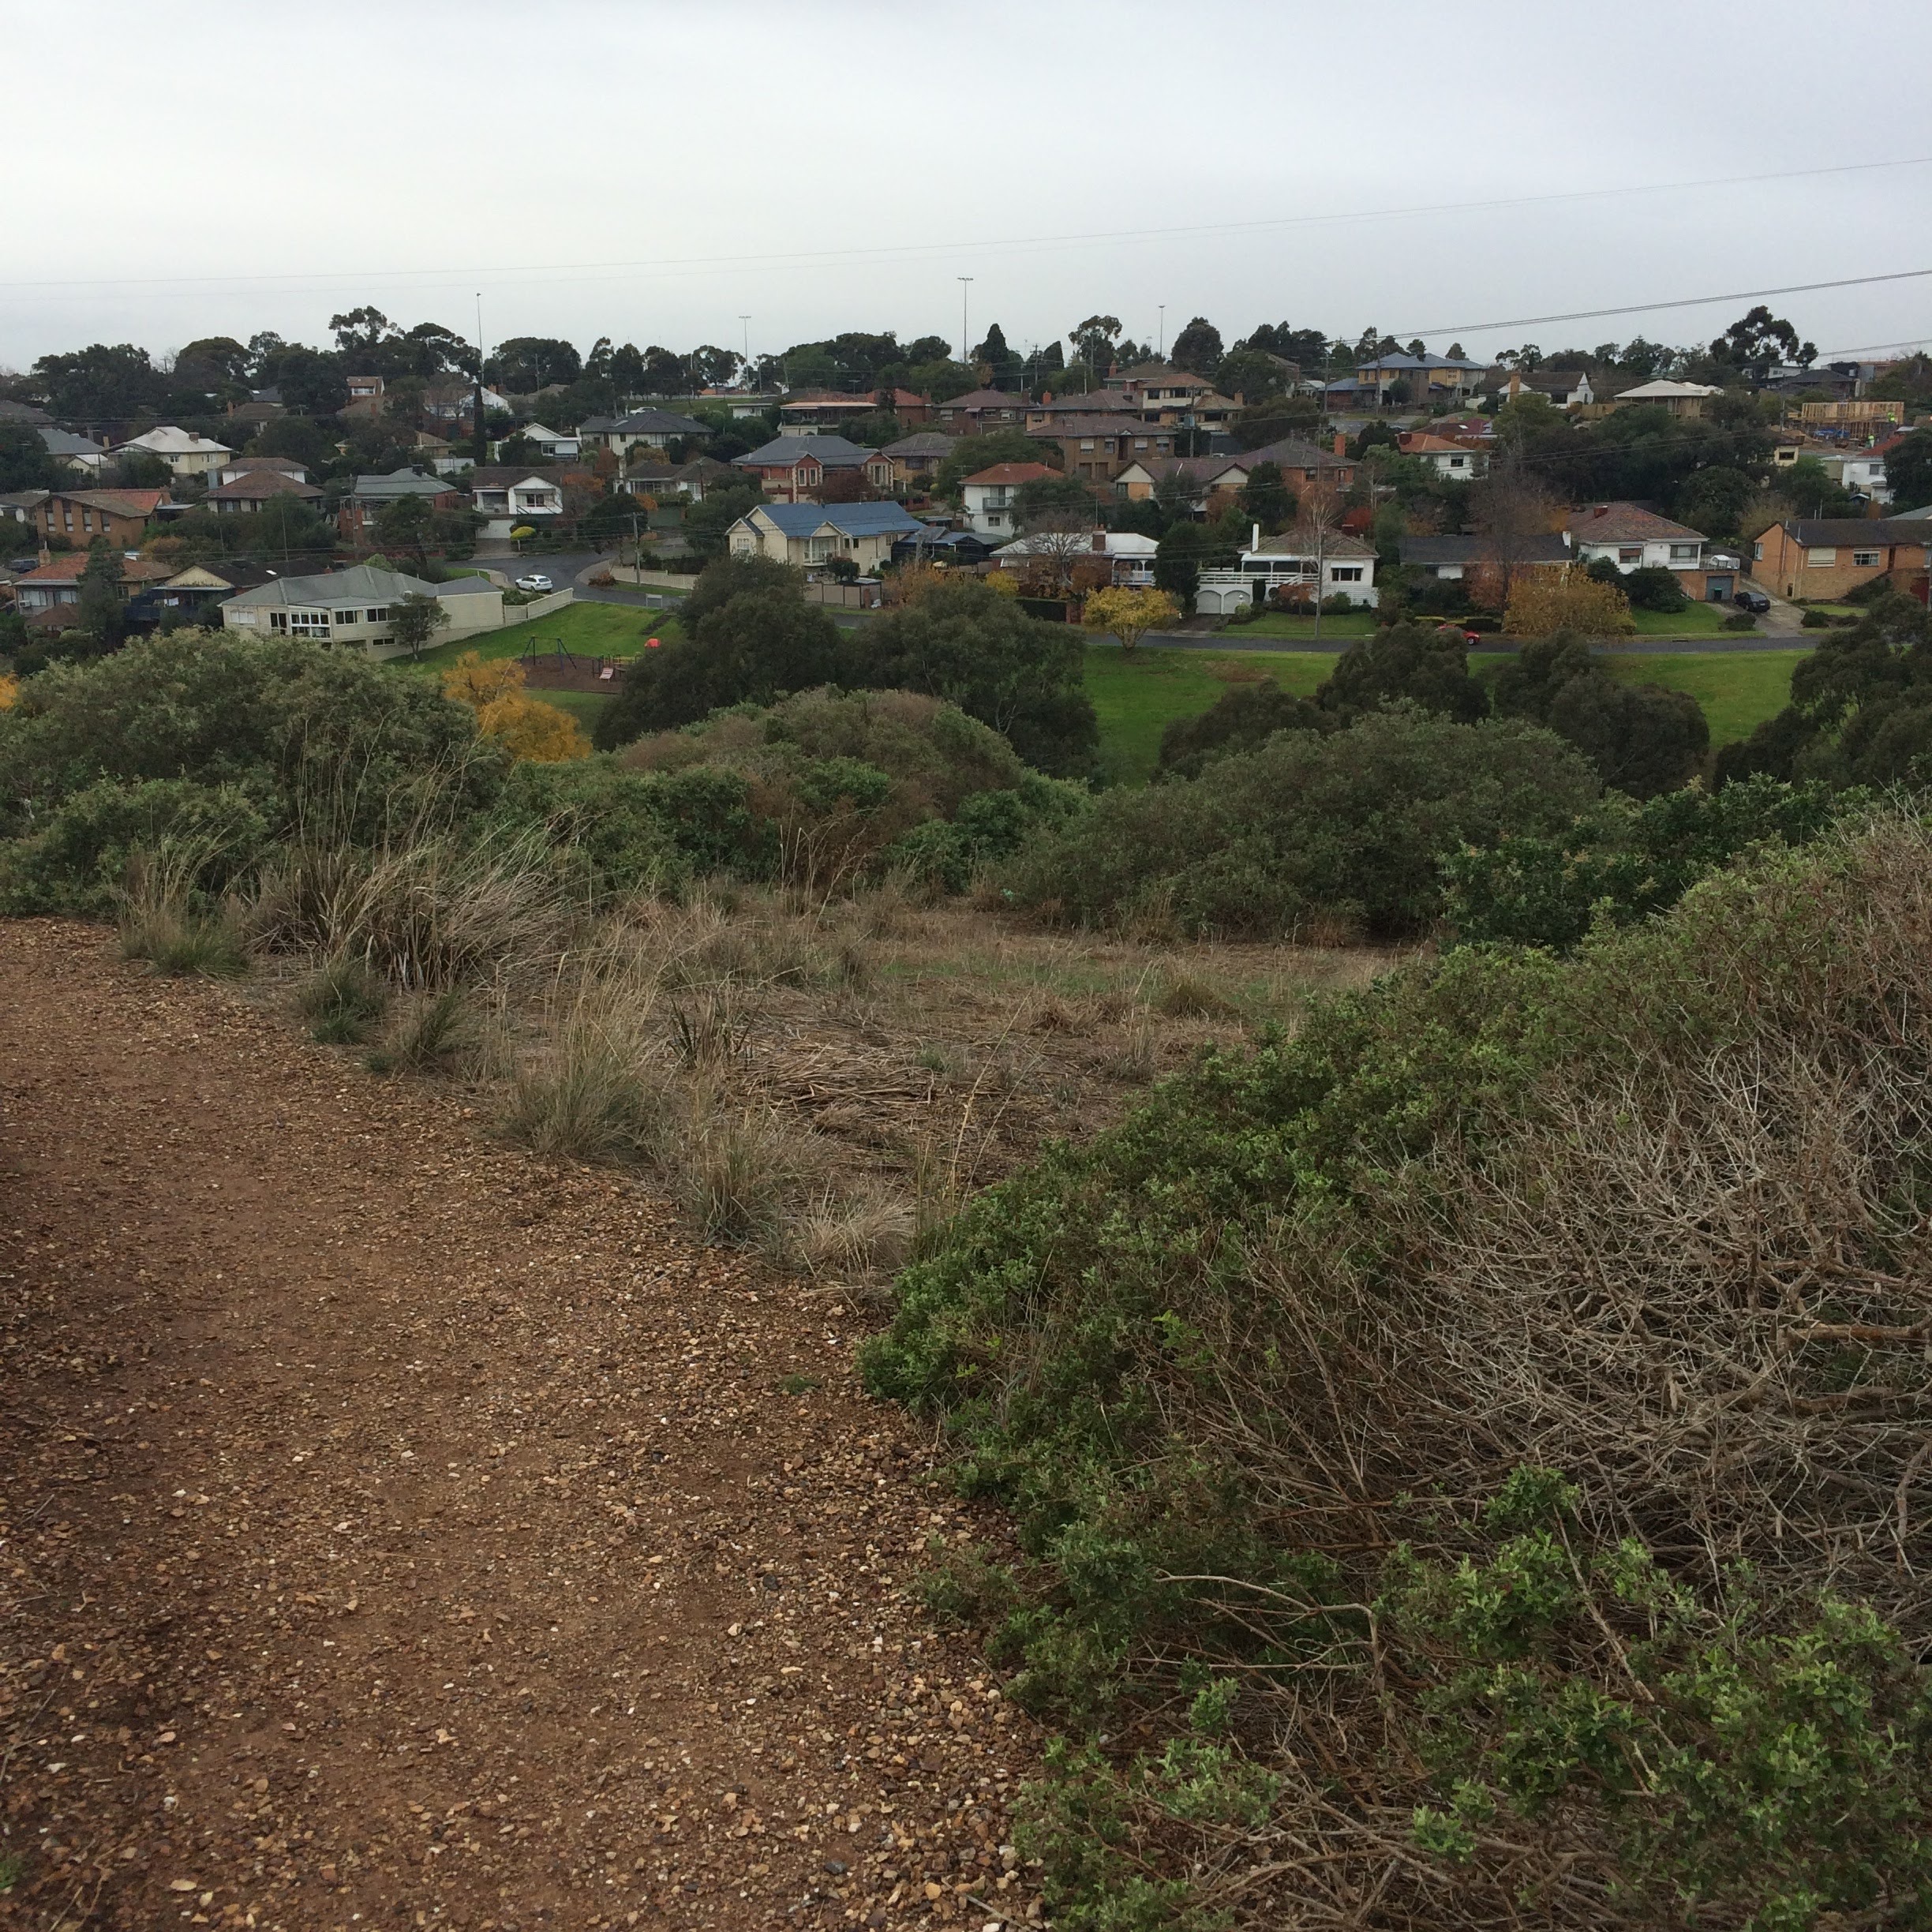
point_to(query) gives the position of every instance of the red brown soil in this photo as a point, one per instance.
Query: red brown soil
(396, 1529)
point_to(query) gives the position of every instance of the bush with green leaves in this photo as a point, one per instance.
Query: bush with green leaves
(1242, 719)
(1354, 1294)
(1313, 830)
(1622, 861)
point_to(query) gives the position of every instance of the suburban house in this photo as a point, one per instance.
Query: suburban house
(982, 409)
(456, 402)
(77, 452)
(808, 534)
(1634, 538)
(1129, 555)
(1863, 472)
(1163, 395)
(916, 458)
(1455, 463)
(122, 516)
(366, 395)
(373, 494)
(688, 481)
(509, 496)
(1821, 558)
(191, 594)
(21, 507)
(1045, 415)
(1322, 563)
(185, 453)
(793, 468)
(1408, 380)
(991, 494)
(807, 413)
(1452, 558)
(48, 594)
(1566, 388)
(653, 428)
(238, 467)
(354, 607)
(953, 549)
(551, 444)
(1863, 416)
(255, 489)
(1680, 398)
(1301, 463)
(1100, 447)
(1205, 480)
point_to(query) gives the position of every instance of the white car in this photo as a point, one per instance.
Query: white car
(534, 583)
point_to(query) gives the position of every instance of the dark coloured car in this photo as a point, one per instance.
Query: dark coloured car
(1755, 601)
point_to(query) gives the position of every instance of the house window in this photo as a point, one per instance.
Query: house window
(1086, 442)
(1456, 462)
(1820, 559)
(1345, 573)
(379, 615)
(1630, 553)
(1139, 442)
(1684, 553)
(1866, 560)
(1758, 553)
(345, 617)
(308, 623)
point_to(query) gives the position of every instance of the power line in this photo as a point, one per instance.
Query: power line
(1688, 301)
(909, 251)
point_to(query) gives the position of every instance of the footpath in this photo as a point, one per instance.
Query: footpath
(395, 1529)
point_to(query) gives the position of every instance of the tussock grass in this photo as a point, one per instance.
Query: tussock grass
(592, 1085)
(429, 1034)
(342, 1000)
(162, 919)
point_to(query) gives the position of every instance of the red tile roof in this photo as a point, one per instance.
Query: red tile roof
(1014, 473)
(127, 502)
(67, 565)
(1627, 522)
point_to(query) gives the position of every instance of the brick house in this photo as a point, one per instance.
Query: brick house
(1820, 558)
(123, 516)
(372, 494)
(1100, 447)
(50, 595)
(792, 469)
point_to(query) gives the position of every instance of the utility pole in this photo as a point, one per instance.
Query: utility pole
(1160, 353)
(746, 320)
(965, 333)
(479, 445)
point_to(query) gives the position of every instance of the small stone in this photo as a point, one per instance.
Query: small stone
(835, 1867)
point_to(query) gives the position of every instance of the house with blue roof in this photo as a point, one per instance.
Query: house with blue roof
(815, 534)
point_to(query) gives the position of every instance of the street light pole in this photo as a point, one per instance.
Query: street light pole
(965, 333)
(746, 320)
(1161, 352)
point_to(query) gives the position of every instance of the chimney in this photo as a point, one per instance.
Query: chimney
(1099, 541)
(1340, 443)
(1254, 541)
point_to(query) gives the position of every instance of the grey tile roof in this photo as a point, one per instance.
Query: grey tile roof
(363, 584)
(833, 452)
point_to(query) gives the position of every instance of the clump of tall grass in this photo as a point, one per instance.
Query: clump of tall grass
(342, 1000)
(164, 918)
(429, 1033)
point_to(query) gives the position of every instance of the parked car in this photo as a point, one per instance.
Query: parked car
(1755, 601)
(535, 581)
(20, 565)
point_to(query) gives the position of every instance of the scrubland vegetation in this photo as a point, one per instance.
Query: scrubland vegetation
(1420, 1211)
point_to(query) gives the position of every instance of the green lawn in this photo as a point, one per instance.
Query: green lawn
(1135, 696)
(592, 630)
(1739, 690)
(1283, 624)
(1692, 620)
(585, 707)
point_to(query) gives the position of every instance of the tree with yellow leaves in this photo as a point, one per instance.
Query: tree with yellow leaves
(9, 691)
(526, 728)
(1130, 615)
(1542, 602)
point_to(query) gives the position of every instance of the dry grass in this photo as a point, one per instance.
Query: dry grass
(162, 920)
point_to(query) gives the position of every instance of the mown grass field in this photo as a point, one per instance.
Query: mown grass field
(1136, 696)
(592, 630)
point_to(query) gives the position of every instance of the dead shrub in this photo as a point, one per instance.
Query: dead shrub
(1183, 996)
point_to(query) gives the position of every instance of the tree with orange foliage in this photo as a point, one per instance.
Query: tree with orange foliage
(1544, 602)
(529, 730)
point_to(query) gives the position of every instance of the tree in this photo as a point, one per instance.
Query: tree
(1252, 375)
(1002, 366)
(403, 525)
(1757, 342)
(1041, 501)
(1405, 663)
(1093, 341)
(100, 381)
(1514, 512)
(295, 437)
(1197, 348)
(1177, 562)
(414, 619)
(1654, 588)
(1128, 614)
(525, 363)
(968, 644)
(1266, 499)
(1542, 602)
(24, 463)
(706, 523)
(531, 731)
(359, 335)
(1816, 491)
(100, 613)
(1242, 720)
(1908, 471)
(1643, 739)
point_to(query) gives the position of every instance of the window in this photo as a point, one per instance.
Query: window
(379, 615)
(308, 623)
(1866, 560)
(346, 617)
(1630, 553)
(1758, 553)
(278, 620)
(1345, 573)
(1086, 442)
(1456, 462)
(1684, 553)
(1139, 442)
(1820, 559)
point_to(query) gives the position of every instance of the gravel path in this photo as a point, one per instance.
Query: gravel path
(395, 1529)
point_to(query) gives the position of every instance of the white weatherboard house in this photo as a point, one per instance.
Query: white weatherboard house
(354, 607)
(1324, 562)
(815, 533)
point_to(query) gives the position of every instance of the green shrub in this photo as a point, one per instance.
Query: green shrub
(1816, 620)
(1739, 620)
(1310, 829)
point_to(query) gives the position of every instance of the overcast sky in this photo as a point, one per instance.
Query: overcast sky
(652, 170)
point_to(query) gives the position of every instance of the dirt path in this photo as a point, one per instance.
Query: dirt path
(394, 1529)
